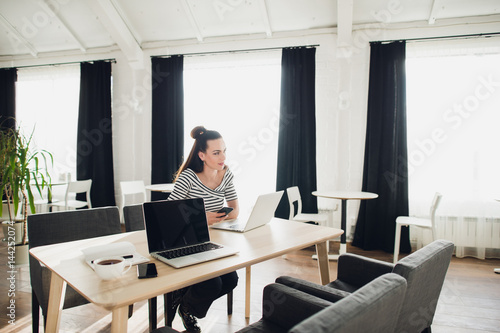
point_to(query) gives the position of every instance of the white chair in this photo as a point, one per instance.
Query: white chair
(79, 186)
(418, 222)
(293, 194)
(134, 187)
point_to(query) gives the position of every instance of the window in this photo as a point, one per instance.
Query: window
(453, 140)
(238, 96)
(47, 105)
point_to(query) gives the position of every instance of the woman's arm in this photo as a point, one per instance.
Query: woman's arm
(236, 209)
(214, 217)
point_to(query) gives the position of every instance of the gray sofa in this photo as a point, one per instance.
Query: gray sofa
(373, 308)
(424, 271)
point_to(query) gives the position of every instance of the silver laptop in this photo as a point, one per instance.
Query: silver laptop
(177, 233)
(261, 214)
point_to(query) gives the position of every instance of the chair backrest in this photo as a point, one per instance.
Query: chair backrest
(424, 271)
(133, 187)
(372, 308)
(79, 186)
(293, 194)
(129, 188)
(66, 226)
(133, 217)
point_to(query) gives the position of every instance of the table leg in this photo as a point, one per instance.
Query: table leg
(323, 264)
(343, 226)
(343, 246)
(247, 291)
(119, 320)
(56, 302)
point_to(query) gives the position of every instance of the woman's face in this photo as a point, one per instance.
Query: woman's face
(215, 155)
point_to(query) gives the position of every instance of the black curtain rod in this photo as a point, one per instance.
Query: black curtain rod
(486, 35)
(65, 63)
(235, 51)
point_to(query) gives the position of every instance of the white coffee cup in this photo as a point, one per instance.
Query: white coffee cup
(110, 268)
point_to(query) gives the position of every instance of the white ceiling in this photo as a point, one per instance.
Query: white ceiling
(36, 27)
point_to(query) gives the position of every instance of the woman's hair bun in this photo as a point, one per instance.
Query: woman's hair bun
(197, 131)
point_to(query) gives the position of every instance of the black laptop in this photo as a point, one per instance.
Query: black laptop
(177, 233)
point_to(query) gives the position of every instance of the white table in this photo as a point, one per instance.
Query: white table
(344, 196)
(164, 188)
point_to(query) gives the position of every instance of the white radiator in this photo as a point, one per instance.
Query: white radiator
(473, 236)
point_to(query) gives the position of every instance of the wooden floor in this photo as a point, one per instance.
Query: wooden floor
(469, 302)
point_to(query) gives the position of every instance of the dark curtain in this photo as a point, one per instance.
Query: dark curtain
(167, 131)
(94, 140)
(297, 130)
(8, 78)
(385, 167)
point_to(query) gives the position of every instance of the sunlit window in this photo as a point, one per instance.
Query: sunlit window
(453, 136)
(47, 105)
(238, 95)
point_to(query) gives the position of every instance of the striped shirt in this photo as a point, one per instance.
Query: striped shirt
(189, 186)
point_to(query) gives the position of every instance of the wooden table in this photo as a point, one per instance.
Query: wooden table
(164, 188)
(344, 196)
(66, 262)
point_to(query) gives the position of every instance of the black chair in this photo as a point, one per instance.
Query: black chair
(59, 227)
(134, 220)
(424, 271)
(133, 217)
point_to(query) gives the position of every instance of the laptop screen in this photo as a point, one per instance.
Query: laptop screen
(176, 223)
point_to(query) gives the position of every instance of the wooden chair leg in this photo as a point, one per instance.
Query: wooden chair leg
(230, 303)
(153, 321)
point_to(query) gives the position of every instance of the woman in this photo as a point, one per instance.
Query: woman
(205, 175)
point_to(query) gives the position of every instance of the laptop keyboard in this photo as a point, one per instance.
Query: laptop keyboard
(185, 251)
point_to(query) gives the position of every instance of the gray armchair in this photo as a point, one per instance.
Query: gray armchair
(59, 227)
(424, 271)
(373, 308)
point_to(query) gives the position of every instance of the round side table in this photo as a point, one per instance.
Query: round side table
(344, 196)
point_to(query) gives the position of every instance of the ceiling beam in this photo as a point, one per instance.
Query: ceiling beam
(434, 10)
(192, 20)
(48, 9)
(265, 15)
(17, 38)
(344, 23)
(111, 19)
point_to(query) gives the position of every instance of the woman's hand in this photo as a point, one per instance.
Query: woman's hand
(213, 217)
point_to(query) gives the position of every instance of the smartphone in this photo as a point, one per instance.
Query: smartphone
(225, 210)
(146, 270)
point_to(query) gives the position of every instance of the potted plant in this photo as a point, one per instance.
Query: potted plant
(22, 169)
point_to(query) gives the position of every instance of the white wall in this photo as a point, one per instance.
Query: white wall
(341, 91)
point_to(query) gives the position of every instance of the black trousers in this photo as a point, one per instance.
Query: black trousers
(199, 297)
